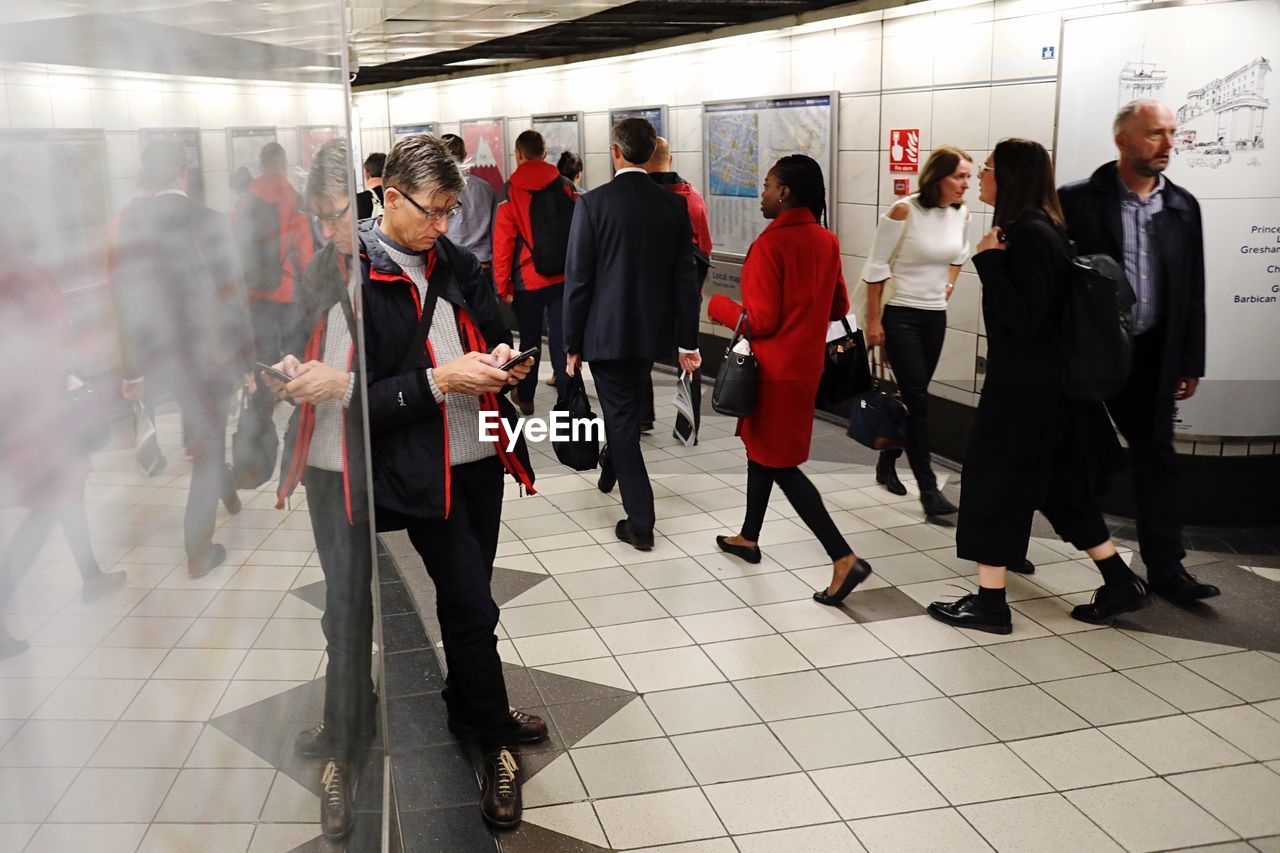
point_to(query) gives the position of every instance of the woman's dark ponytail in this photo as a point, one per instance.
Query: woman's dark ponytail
(803, 176)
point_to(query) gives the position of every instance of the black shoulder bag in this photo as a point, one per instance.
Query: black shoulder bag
(734, 393)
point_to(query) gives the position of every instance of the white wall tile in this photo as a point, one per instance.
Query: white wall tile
(688, 128)
(4, 107)
(906, 110)
(72, 107)
(858, 63)
(743, 73)
(857, 228)
(213, 149)
(966, 299)
(857, 177)
(908, 58)
(962, 52)
(814, 61)
(696, 86)
(860, 123)
(956, 366)
(1017, 43)
(597, 170)
(962, 117)
(595, 131)
(1025, 110)
(122, 154)
(690, 168)
(1002, 9)
(29, 106)
(217, 190)
(181, 109)
(580, 88)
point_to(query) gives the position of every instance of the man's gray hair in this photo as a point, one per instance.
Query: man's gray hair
(421, 163)
(330, 168)
(1130, 110)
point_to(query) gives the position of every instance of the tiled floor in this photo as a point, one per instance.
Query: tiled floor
(159, 719)
(735, 714)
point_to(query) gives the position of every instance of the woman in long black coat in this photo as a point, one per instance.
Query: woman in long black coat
(1032, 447)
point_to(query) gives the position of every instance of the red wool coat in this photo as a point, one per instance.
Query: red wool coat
(792, 288)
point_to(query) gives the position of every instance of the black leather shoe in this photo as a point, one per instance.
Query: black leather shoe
(608, 479)
(1026, 567)
(316, 743)
(935, 503)
(860, 571)
(1182, 588)
(533, 728)
(968, 612)
(206, 560)
(640, 541)
(887, 475)
(750, 553)
(500, 804)
(337, 803)
(100, 583)
(1108, 601)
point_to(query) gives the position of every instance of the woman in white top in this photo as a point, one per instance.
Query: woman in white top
(921, 244)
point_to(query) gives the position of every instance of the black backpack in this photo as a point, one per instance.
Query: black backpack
(550, 215)
(257, 234)
(1097, 329)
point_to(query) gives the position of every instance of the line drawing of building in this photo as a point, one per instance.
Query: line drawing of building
(1141, 80)
(1229, 109)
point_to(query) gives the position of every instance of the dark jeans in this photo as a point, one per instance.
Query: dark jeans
(345, 557)
(1144, 414)
(530, 307)
(31, 536)
(204, 431)
(913, 343)
(803, 496)
(458, 553)
(620, 386)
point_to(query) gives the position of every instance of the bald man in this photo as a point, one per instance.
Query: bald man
(1128, 209)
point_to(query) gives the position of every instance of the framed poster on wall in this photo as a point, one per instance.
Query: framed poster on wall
(486, 141)
(742, 140)
(402, 130)
(310, 138)
(563, 132)
(1217, 85)
(244, 144)
(189, 139)
(656, 116)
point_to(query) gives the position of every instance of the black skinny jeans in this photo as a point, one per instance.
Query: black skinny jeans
(803, 496)
(913, 342)
(530, 307)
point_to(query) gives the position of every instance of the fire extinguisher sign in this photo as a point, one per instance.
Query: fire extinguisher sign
(904, 150)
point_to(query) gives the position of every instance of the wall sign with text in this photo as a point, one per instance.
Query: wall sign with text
(904, 150)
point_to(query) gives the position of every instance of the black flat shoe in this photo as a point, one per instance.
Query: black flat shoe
(337, 803)
(1182, 588)
(887, 475)
(935, 503)
(626, 533)
(860, 571)
(206, 560)
(750, 553)
(1109, 601)
(968, 612)
(1026, 567)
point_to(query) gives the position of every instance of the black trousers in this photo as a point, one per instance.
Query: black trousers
(1144, 414)
(803, 496)
(345, 557)
(620, 385)
(530, 307)
(458, 553)
(204, 431)
(32, 534)
(913, 342)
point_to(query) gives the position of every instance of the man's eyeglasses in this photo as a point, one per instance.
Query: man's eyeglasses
(332, 218)
(431, 212)
(986, 168)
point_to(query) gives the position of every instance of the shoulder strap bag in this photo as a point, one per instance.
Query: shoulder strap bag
(734, 393)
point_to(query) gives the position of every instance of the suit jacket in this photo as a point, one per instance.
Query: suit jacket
(631, 286)
(1092, 210)
(180, 295)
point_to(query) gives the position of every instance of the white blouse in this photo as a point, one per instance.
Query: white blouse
(936, 238)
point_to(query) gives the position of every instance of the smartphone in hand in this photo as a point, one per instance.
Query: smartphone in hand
(516, 359)
(279, 375)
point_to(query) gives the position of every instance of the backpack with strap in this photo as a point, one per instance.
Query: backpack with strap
(550, 215)
(257, 236)
(1097, 327)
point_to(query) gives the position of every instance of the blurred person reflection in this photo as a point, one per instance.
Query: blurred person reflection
(184, 329)
(43, 441)
(473, 228)
(324, 451)
(369, 201)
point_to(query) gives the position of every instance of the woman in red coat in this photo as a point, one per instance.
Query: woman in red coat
(792, 287)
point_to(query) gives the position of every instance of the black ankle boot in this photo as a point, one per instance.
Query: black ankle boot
(887, 474)
(935, 503)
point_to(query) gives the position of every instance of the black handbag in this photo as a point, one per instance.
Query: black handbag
(844, 371)
(878, 418)
(255, 444)
(734, 393)
(582, 451)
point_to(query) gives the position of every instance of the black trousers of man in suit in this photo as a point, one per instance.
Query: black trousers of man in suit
(620, 385)
(205, 408)
(1144, 414)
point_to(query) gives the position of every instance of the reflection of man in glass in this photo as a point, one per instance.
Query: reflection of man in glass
(184, 326)
(324, 450)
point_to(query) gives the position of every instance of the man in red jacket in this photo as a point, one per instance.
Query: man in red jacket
(530, 236)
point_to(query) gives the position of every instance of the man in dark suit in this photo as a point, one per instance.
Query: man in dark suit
(631, 296)
(1129, 210)
(185, 329)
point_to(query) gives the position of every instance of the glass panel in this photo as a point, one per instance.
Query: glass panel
(177, 210)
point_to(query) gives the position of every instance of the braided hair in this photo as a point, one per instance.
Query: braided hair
(803, 176)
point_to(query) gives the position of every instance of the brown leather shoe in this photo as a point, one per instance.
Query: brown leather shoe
(337, 804)
(532, 727)
(500, 804)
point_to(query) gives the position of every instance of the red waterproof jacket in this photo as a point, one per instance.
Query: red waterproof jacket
(296, 246)
(513, 233)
